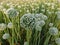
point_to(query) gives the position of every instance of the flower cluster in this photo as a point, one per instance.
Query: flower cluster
(10, 25)
(57, 40)
(27, 21)
(40, 21)
(2, 26)
(53, 31)
(11, 12)
(58, 14)
(41, 16)
(50, 24)
(39, 25)
(36, 21)
(6, 36)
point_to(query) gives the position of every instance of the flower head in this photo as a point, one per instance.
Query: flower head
(2, 26)
(6, 36)
(57, 40)
(53, 31)
(37, 17)
(50, 24)
(11, 12)
(10, 25)
(39, 25)
(41, 16)
(38, 28)
(27, 21)
(25, 43)
(58, 14)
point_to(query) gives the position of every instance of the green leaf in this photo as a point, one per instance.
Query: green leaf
(47, 40)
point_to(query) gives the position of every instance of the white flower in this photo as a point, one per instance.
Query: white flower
(42, 6)
(27, 11)
(25, 43)
(37, 17)
(11, 12)
(49, 12)
(43, 10)
(33, 9)
(39, 25)
(38, 28)
(8, 4)
(1, 7)
(57, 40)
(58, 14)
(6, 36)
(41, 16)
(52, 7)
(26, 20)
(2, 26)
(10, 25)
(50, 24)
(53, 31)
(4, 9)
(48, 4)
(19, 6)
(2, 3)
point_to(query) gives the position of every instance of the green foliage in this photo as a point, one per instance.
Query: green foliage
(33, 23)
